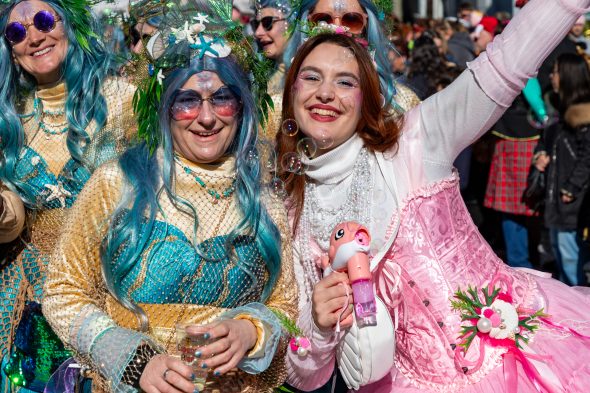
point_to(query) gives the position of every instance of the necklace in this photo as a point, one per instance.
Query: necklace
(318, 222)
(49, 128)
(52, 128)
(225, 194)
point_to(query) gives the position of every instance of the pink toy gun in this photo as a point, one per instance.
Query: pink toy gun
(349, 251)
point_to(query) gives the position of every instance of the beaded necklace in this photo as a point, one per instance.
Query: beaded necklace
(47, 127)
(225, 194)
(317, 222)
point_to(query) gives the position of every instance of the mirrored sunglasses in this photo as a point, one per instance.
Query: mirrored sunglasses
(44, 21)
(267, 22)
(187, 104)
(353, 20)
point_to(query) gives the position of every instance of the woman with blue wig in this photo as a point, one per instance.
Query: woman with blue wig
(60, 117)
(363, 20)
(271, 30)
(175, 249)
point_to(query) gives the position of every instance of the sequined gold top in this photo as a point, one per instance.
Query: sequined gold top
(46, 166)
(105, 334)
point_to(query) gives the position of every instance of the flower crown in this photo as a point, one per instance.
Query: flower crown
(186, 34)
(311, 30)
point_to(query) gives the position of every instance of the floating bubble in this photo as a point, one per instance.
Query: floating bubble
(277, 187)
(291, 163)
(290, 127)
(307, 146)
(269, 164)
(324, 141)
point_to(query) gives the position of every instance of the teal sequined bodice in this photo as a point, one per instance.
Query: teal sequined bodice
(172, 271)
(52, 191)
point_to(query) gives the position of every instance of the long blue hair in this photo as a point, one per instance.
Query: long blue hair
(83, 72)
(374, 35)
(147, 178)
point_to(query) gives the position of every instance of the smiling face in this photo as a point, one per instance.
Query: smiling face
(40, 54)
(202, 134)
(327, 97)
(274, 41)
(341, 13)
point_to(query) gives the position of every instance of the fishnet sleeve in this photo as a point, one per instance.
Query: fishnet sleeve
(75, 294)
(120, 128)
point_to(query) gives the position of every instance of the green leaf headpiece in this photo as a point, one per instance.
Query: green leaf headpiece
(206, 29)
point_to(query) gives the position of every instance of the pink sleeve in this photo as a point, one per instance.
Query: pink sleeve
(314, 370)
(516, 55)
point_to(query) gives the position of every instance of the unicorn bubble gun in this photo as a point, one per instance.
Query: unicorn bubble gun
(349, 251)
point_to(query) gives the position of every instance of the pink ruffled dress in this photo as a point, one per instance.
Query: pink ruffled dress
(436, 249)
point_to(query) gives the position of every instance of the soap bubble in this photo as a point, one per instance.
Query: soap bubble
(291, 163)
(290, 127)
(307, 146)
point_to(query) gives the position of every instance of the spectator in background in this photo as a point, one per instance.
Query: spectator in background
(427, 66)
(482, 27)
(577, 35)
(460, 47)
(564, 154)
(243, 11)
(398, 57)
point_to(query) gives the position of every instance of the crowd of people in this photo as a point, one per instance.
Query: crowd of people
(178, 182)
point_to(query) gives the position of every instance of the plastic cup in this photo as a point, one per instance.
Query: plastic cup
(187, 345)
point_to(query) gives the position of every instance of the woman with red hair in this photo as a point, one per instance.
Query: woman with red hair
(464, 321)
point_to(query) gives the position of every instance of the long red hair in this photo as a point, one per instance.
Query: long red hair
(377, 127)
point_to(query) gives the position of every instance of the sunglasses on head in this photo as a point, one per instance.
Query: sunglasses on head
(44, 21)
(187, 104)
(267, 22)
(355, 21)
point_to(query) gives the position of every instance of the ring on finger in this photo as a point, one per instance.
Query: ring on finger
(165, 373)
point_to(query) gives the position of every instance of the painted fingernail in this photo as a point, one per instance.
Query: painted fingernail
(196, 390)
(217, 373)
(204, 365)
(206, 336)
(193, 376)
(198, 354)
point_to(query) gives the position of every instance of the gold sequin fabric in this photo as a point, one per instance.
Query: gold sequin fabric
(75, 289)
(46, 153)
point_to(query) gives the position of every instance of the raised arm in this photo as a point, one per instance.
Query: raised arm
(455, 117)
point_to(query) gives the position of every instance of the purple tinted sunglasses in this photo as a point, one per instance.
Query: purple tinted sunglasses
(43, 20)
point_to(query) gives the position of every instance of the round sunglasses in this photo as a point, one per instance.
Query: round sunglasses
(355, 21)
(44, 21)
(187, 104)
(267, 22)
